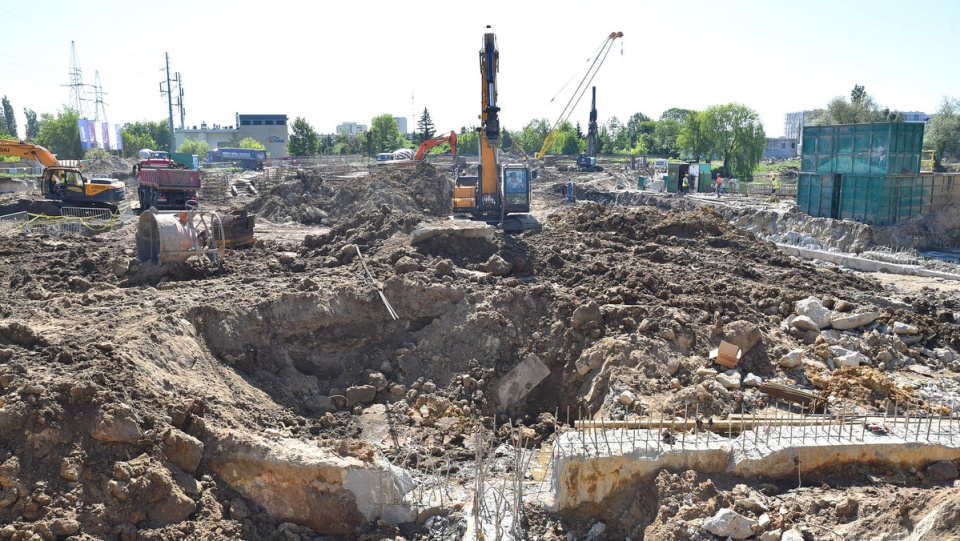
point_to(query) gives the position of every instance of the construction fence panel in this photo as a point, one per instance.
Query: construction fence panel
(11, 223)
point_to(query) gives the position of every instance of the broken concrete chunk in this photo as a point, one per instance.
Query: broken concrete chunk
(627, 398)
(361, 394)
(772, 535)
(468, 229)
(752, 380)
(792, 535)
(814, 309)
(792, 358)
(729, 523)
(729, 379)
(944, 354)
(904, 328)
(852, 321)
(743, 334)
(804, 323)
(852, 359)
(522, 379)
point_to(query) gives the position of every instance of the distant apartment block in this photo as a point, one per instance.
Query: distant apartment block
(915, 116)
(781, 148)
(351, 128)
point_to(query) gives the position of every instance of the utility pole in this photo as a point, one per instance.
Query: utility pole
(180, 99)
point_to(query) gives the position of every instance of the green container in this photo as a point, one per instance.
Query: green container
(887, 148)
(875, 199)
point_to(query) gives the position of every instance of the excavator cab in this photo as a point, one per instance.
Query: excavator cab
(516, 188)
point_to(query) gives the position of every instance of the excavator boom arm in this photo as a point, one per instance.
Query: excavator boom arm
(430, 143)
(26, 150)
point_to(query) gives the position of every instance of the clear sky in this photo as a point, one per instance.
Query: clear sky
(332, 62)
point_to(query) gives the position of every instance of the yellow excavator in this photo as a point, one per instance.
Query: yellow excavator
(66, 185)
(499, 193)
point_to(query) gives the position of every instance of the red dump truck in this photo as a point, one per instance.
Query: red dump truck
(165, 185)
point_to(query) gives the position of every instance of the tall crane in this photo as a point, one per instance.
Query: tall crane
(499, 193)
(578, 93)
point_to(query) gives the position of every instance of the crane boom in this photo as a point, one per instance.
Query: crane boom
(578, 93)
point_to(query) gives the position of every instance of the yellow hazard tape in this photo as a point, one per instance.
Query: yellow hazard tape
(95, 223)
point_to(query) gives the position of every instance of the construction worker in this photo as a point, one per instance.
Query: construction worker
(716, 189)
(686, 184)
(774, 198)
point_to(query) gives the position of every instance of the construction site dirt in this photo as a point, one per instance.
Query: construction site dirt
(348, 376)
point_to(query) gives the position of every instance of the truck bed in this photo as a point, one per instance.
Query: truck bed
(169, 179)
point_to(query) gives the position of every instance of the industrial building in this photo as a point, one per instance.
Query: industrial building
(269, 130)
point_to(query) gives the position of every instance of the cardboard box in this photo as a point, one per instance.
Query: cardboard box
(727, 354)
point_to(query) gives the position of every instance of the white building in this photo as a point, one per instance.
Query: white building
(351, 128)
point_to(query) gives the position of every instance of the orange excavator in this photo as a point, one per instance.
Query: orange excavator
(399, 158)
(430, 143)
(500, 192)
(64, 184)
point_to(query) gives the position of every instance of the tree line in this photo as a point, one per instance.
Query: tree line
(731, 133)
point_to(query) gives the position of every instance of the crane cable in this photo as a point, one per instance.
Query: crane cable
(581, 89)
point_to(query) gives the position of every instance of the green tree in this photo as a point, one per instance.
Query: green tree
(425, 128)
(530, 139)
(665, 135)
(194, 147)
(634, 127)
(158, 133)
(861, 109)
(33, 127)
(736, 134)
(250, 142)
(303, 139)
(132, 143)
(325, 145)
(942, 134)
(693, 138)
(10, 120)
(467, 141)
(680, 115)
(60, 134)
(385, 135)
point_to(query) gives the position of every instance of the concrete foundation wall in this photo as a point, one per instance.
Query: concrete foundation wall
(591, 466)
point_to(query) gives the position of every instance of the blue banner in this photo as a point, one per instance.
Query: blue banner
(85, 140)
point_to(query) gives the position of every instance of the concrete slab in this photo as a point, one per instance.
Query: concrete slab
(521, 380)
(467, 229)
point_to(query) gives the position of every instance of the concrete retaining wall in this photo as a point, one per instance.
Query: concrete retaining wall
(590, 466)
